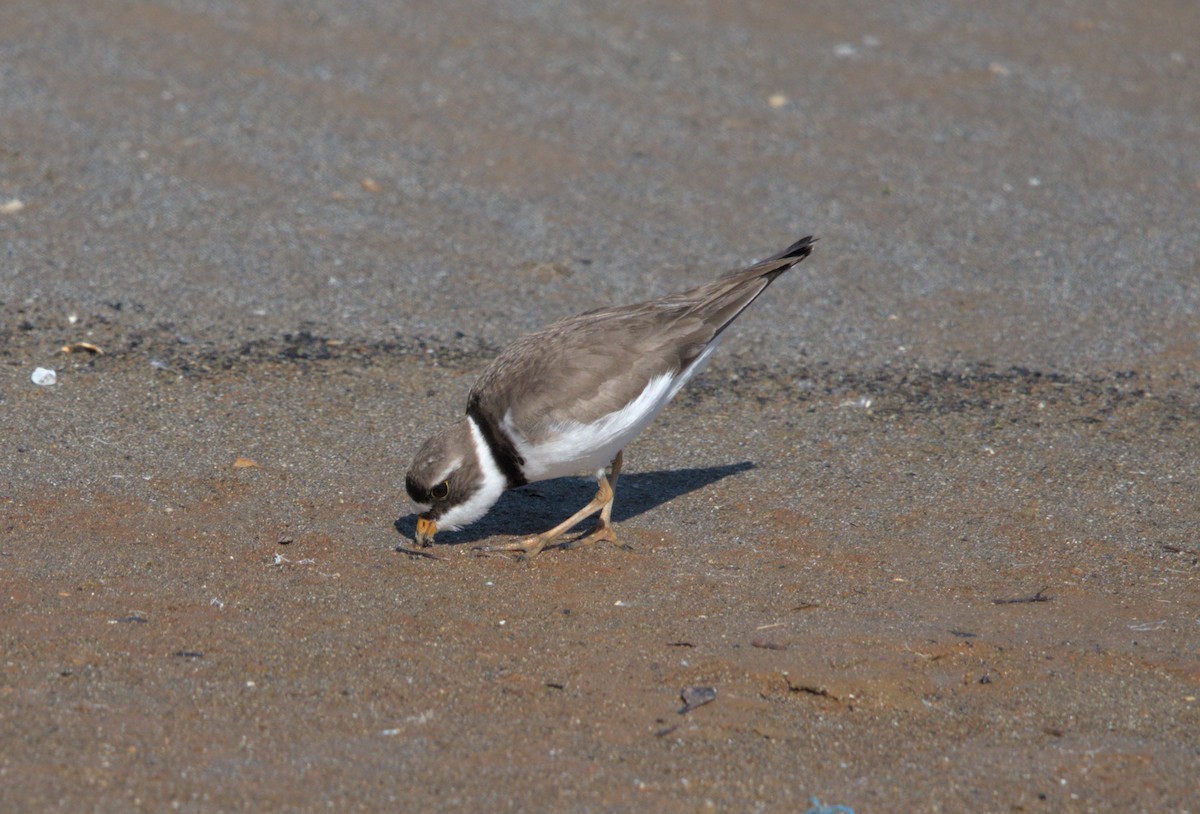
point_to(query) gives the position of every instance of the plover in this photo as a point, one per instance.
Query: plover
(569, 397)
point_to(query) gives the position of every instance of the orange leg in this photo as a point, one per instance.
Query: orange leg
(603, 501)
(604, 529)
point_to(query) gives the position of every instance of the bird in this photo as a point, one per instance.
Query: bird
(570, 397)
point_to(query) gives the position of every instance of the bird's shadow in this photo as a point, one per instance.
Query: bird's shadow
(533, 508)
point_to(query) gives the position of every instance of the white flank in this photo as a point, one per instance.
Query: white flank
(574, 447)
(487, 492)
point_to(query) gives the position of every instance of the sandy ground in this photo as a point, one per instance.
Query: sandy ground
(927, 526)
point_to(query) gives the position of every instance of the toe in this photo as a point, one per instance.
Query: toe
(528, 547)
(602, 533)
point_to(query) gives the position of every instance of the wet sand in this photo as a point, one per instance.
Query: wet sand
(927, 526)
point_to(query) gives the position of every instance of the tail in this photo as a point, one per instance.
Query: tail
(721, 302)
(774, 266)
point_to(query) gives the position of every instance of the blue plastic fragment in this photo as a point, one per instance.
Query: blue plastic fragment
(819, 808)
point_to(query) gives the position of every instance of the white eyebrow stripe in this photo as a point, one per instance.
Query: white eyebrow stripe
(455, 464)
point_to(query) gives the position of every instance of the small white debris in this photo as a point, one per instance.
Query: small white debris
(12, 206)
(220, 605)
(863, 402)
(620, 603)
(1146, 627)
(44, 377)
(1035, 182)
(72, 318)
(280, 560)
(844, 49)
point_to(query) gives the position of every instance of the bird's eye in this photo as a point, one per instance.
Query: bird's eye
(441, 491)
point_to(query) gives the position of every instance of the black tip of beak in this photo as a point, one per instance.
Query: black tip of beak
(426, 529)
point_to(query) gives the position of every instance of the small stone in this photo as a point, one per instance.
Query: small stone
(693, 697)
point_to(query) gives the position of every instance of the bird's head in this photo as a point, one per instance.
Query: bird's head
(447, 476)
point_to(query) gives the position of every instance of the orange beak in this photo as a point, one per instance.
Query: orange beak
(426, 528)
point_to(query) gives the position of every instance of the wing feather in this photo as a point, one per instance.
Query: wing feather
(587, 366)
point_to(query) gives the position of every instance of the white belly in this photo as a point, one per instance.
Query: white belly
(574, 447)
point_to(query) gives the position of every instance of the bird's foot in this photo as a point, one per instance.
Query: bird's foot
(529, 547)
(532, 546)
(604, 532)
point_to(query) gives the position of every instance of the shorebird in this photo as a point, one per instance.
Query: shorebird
(571, 396)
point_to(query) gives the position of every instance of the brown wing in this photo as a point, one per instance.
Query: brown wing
(586, 366)
(720, 302)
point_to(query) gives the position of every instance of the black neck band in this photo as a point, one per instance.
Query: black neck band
(504, 452)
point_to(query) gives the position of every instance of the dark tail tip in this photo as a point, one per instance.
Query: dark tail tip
(799, 250)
